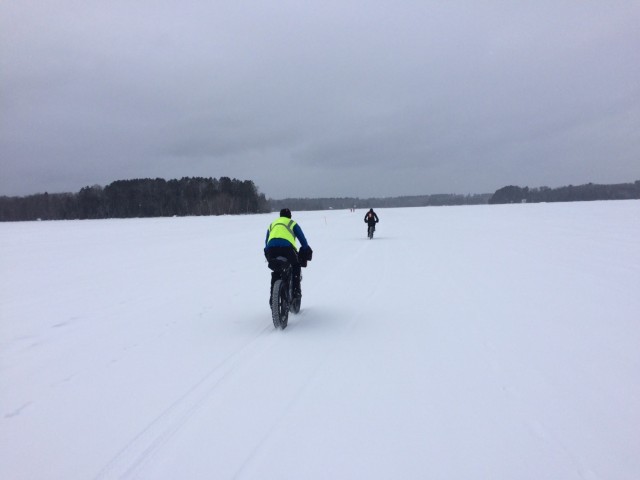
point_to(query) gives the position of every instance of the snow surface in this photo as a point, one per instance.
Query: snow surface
(484, 342)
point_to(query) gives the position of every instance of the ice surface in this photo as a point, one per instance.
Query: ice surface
(484, 342)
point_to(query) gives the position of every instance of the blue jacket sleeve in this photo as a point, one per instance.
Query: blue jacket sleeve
(298, 232)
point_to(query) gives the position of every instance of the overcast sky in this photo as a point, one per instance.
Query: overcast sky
(320, 98)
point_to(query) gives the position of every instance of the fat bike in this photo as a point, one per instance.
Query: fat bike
(282, 298)
(370, 231)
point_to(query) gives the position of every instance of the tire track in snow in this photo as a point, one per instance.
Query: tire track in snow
(142, 448)
(314, 370)
(348, 264)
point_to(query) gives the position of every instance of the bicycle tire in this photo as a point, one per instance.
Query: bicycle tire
(275, 303)
(285, 306)
(279, 305)
(295, 305)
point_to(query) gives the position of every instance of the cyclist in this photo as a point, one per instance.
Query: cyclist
(281, 242)
(370, 218)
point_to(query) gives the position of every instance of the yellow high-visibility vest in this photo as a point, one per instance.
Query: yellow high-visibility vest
(283, 228)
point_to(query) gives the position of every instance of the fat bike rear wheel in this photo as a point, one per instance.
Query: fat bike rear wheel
(295, 304)
(279, 305)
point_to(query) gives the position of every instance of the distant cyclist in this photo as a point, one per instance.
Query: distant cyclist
(281, 242)
(371, 218)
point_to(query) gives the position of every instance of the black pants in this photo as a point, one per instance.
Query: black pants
(290, 254)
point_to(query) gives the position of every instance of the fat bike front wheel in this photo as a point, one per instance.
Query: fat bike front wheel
(279, 305)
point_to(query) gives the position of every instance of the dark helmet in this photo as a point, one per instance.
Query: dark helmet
(285, 212)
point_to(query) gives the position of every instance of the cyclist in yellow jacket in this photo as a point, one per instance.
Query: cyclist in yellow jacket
(281, 241)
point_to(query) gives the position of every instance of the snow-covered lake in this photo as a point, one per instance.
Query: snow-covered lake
(484, 342)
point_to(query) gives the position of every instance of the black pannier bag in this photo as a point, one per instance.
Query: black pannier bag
(304, 256)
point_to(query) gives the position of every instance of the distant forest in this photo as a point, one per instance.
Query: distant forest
(580, 193)
(140, 198)
(387, 202)
(226, 196)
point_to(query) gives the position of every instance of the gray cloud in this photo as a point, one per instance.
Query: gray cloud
(322, 98)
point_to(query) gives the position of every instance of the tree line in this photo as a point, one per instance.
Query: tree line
(140, 198)
(570, 193)
(386, 202)
(225, 196)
